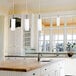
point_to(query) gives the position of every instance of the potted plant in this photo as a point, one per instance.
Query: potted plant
(70, 54)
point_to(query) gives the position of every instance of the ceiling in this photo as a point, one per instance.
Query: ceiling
(45, 5)
(71, 21)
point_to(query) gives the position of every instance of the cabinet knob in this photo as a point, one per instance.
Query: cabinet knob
(45, 69)
(33, 74)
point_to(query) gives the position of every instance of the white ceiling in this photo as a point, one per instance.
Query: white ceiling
(45, 5)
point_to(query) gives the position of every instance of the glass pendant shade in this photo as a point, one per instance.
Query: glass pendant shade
(26, 24)
(58, 21)
(13, 24)
(39, 24)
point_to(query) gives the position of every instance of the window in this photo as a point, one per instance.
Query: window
(56, 38)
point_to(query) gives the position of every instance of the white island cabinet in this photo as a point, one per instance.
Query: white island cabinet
(14, 73)
(29, 73)
(53, 69)
(57, 69)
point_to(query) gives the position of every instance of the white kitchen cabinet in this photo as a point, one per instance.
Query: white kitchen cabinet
(45, 71)
(57, 68)
(15, 73)
(70, 66)
(52, 73)
(57, 72)
(33, 73)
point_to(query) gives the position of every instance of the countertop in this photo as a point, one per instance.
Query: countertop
(23, 65)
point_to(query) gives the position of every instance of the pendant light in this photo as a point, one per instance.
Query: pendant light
(13, 20)
(26, 20)
(39, 23)
(58, 21)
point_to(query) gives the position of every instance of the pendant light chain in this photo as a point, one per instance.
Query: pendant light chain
(39, 7)
(13, 8)
(39, 20)
(58, 20)
(26, 6)
(26, 11)
(13, 20)
(26, 20)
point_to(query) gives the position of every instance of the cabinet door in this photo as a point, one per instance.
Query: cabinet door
(13, 73)
(45, 71)
(62, 71)
(52, 73)
(57, 69)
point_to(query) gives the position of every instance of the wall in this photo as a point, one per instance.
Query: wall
(34, 32)
(14, 39)
(14, 42)
(1, 36)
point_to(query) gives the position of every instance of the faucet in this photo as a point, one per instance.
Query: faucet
(38, 57)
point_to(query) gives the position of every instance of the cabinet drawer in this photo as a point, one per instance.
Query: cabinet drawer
(34, 73)
(45, 70)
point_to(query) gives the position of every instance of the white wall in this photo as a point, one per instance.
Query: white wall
(1, 36)
(14, 40)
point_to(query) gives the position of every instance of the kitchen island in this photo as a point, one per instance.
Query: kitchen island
(30, 67)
